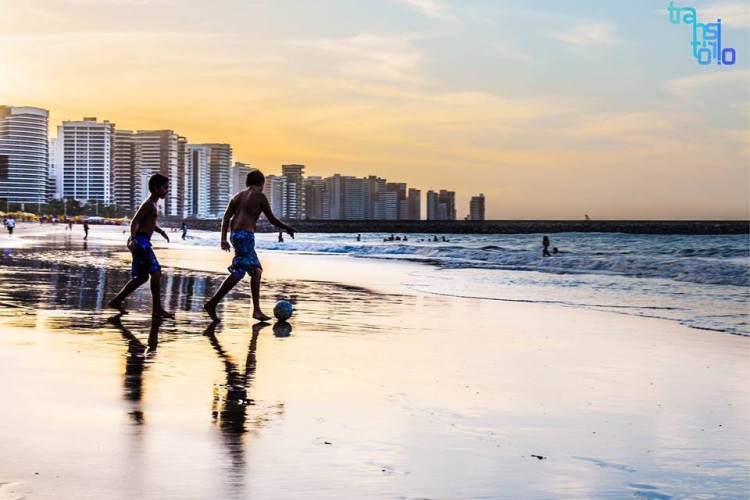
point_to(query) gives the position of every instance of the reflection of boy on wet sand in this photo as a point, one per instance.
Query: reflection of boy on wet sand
(142, 226)
(243, 211)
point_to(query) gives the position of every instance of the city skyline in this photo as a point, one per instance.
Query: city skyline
(94, 162)
(553, 110)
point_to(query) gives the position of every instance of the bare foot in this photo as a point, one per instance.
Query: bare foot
(161, 313)
(211, 310)
(118, 306)
(260, 316)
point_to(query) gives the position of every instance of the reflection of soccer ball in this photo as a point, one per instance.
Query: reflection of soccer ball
(282, 310)
(282, 329)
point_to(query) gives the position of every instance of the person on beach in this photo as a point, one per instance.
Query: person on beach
(10, 224)
(545, 247)
(86, 230)
(281, 237)
(241, 215)
(142, 226)
(184, 230)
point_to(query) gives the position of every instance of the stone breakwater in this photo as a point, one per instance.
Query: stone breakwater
(496, 226)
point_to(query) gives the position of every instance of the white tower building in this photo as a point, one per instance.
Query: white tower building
(24, 154)
(87, 148)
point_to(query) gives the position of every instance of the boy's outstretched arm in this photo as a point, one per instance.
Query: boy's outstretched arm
(266, 209)
(228, 214)
(161, 232)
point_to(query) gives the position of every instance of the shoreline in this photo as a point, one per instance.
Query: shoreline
(323, 265)
(499, 226)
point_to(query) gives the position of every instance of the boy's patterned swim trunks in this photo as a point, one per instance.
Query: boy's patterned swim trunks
(245, 259)
(144, 260)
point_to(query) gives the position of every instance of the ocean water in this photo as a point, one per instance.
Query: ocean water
(699, 281)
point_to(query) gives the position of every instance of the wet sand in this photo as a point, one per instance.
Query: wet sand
(371, 391)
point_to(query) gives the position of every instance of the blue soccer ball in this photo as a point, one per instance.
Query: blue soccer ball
(283, 310)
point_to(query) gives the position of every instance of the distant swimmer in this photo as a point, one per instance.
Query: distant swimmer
(359, 237)
(555, 250)
(142, 226)
(241, 215)
(545, 245)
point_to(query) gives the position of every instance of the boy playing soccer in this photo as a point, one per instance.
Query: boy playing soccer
(142, 226)
(243, 212)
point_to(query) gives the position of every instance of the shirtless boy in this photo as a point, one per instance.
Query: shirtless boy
(243, 212)
(142, 226)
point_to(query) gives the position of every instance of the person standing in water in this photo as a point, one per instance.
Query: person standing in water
(241, 215)
(545, 247)
(142, 226)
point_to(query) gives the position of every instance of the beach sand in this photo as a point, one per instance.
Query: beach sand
(372, 390)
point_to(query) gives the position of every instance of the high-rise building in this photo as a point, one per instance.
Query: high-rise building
(220, 168)
(334, 186)
(374, 199)
(401, 202)
(296, 190)
(199, 180)
(239, 176)
(182, 182)
(24, 154)
(276, 190)
(390, 205)
(414, 204)
(354, 197)
(447, 199)
(476, 207)
(52, 191)
(123, 170)
(432, 203)
(87, 148)
(315, 198)
(162, 152)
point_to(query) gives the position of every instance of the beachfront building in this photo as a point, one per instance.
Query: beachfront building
(442, 205)
(476, 207)
(354, 198)
(432, 202)
(24, 154)
(162, 152)
(86, 154)
(414, 204)
(199, 181)
(220, 172)
(276, 190)
(53, 190)
(123, 170)
(374, 199)
(239, 176)
(447, 199)
(334, 186)
(317, 202)
(399, 188)
(295, 175)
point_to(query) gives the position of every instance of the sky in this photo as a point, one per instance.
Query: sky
(552, 109)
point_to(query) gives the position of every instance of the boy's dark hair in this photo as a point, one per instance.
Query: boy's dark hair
(157, 181)
(255, 178)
